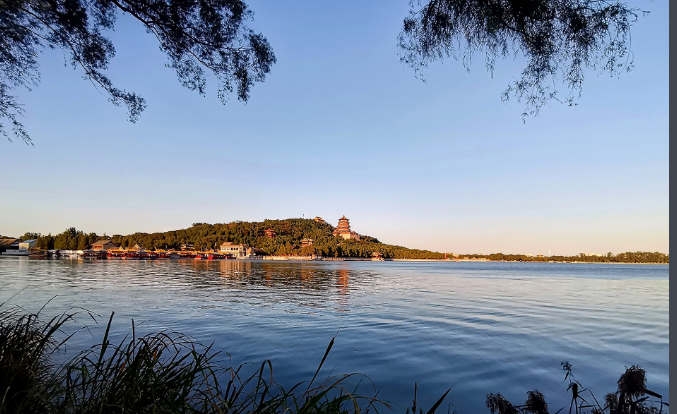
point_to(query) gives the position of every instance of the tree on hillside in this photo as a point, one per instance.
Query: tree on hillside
(558, 39)
(197, 37)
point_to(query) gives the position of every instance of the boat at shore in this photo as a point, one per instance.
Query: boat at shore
(36, 253)
(69, 254)
(93, 254)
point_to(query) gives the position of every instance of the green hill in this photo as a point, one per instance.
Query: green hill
(287, 241)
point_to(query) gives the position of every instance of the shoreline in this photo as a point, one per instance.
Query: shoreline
(334, 259)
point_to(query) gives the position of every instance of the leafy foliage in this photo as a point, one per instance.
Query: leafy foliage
(70, 239)
(558, 38)
(289, 232)
(197, 37)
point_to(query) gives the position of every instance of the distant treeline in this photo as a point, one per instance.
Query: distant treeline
(627, 257)
(287, 240)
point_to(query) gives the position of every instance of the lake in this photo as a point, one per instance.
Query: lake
(477, 327)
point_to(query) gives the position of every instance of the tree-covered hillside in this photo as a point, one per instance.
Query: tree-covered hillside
(287, 240)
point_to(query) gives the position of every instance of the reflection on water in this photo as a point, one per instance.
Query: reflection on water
(238, 274)
(284, 282)
(482, 327)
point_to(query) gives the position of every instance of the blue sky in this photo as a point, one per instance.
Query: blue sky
(340, 126)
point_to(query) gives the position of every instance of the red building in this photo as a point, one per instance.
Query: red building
(343, 230)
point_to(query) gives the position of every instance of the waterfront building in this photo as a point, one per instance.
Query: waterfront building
(104, 245)
(27, 244)
(9, 244)
(377, 257)
(237, 250)
(343, 230)
(187, 246)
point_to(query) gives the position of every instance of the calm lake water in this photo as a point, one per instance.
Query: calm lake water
(479, 327)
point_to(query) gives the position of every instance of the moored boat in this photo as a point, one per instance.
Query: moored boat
(36, 253)
(92, 254)
(69, 254)
(132, 254)
(116, 254)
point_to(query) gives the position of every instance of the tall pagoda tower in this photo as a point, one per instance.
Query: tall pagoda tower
(343, 230)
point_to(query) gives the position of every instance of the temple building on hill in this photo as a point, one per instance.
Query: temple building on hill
(307, 242)
(320, 220)
(343, 230)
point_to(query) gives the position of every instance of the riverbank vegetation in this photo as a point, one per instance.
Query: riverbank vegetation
(287, 241)
(627, 257)
(168, 372)
(164, 372)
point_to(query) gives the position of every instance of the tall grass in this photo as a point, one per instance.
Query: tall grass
(168, 372)
(631, 397)
(26, 360)
(164, 372)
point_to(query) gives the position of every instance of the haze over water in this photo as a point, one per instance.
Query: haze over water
(479, 327)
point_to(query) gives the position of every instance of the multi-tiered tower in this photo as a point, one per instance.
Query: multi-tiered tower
(343, 230)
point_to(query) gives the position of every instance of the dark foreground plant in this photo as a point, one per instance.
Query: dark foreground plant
(26, 365)
(632, 397)
(168, 372)
(164, 372)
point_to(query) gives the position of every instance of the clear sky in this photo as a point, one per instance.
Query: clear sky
(340, 126)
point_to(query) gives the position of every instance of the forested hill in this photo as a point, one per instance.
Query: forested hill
(287, 240)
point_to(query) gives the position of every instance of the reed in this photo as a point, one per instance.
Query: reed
(168, 372)
(631, 397)
(27, 366)
(164, 372)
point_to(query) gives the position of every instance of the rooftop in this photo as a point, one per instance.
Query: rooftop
(8, 242)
